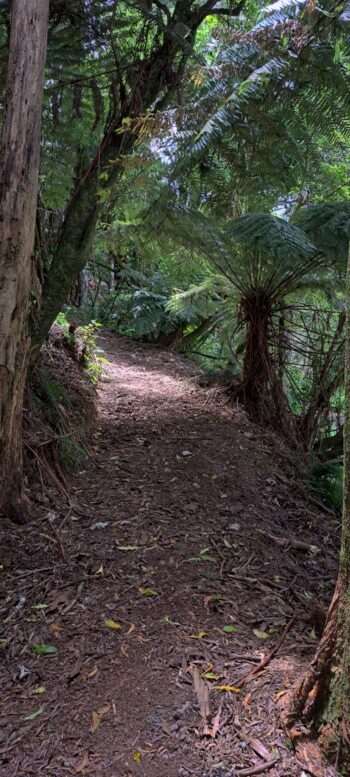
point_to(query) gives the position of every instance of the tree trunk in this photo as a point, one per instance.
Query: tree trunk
(323, 696)
(19, 154)
(257, 368)
(150, 85)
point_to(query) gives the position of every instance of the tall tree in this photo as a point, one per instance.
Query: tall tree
(322, 699)
(148, 62)
(19, 155)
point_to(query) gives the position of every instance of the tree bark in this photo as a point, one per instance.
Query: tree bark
(19, 154)
(323, 696)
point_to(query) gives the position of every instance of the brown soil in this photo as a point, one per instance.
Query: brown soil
(181, 496)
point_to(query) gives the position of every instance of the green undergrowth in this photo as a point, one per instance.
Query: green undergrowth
(60, 411)
(327, 482)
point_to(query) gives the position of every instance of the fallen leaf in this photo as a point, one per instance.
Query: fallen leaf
(103, 710)
(93, 672)
(213, 598)
(99, 525)
(261, 634)
(39, 606)
(246, 700)
(82, 765)
(165, 728)
(127, 547)
(147, 591)
(44, 650)
(200, 635)
(56, 628)
(209, 676)
(40, 689)
(137, 757)
(130, 629)
(112, 624)
(95, 721)
(259, 748)
(202, 557)
(202, 692)
(228, 688)
(100, 570)
(216, 723)
(35, 714)
(230, 629)
(166, 619)
(124, 651)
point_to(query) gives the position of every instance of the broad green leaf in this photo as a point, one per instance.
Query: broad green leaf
(230, 629)
(40, 689)
(112, 624)
(45, 650)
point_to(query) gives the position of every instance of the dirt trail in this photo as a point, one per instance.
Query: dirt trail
(168, 537)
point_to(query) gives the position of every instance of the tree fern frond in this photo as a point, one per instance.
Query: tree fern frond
(271, 235)
(328, 225)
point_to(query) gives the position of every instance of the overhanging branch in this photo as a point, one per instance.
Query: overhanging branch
(209, 9)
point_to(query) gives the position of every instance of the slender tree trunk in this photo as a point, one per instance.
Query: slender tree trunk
(323, 696)
(324, 388)
(19, 165)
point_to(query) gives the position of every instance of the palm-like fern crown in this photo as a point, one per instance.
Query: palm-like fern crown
(269, 94)
(256, 253)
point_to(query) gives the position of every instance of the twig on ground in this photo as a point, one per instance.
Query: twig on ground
(265, 661)
(56, 534)
(257, 769)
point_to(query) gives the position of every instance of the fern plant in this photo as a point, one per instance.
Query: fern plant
(259, 262)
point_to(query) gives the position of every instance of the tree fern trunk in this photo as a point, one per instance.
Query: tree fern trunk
(257, 357)
(19, 154)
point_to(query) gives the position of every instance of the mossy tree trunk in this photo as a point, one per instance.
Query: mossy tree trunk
(148, 88)
(323, 696)
(19, 165)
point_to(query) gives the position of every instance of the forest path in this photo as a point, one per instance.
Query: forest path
(166, 573)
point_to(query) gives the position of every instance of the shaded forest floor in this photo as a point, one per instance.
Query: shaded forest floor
(159, 587)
